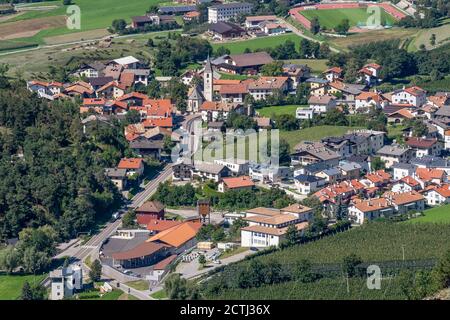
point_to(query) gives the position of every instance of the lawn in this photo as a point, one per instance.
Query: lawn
(330, 18)
(11, 285)
(313, 134)
(278, 110)
(95, 295)
(232, 252)
(138, 285)
(438, 215)
(237, 47)
(161, 294)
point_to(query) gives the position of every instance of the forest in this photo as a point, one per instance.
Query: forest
(51, 174)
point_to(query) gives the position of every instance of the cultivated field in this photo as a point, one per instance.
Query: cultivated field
(95, 15)
(316, 65)
(423, 37)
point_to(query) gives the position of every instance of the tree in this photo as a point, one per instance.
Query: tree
(433, 39)
(315, 25)
(129, 219)
(10, 259)
(66, 262)
(33, 292)
(273, 69)
(218, 235)
(132, 117)
(377, 164)
(119, 25)
(178, 288)
(350, 263)
(95, 274)
(221, 51)
(202, 260)
(150, 43)
(291, 235)
(153, 9)
(27, 293)
(343, 27)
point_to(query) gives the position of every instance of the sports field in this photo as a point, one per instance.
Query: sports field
(437, 215)
(237, 47)
(330, 18)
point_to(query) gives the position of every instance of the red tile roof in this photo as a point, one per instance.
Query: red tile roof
(130, 163)
(178, 235)
(421, 143)
(238, 182)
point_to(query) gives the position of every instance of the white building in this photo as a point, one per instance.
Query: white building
(66, 281)
(317, 105)
(401, 170)
(414, 96)
(237, 166)
(267, 227)
(439, 195)
(226, 11)
(306, 184)
(362, 211)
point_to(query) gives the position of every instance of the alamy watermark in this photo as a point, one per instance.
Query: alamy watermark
(198, 145)
(73, 21)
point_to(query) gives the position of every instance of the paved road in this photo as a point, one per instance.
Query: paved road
(301, 34)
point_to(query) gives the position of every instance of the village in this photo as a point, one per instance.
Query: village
(173, 218)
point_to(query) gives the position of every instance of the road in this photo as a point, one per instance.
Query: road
(301, 34)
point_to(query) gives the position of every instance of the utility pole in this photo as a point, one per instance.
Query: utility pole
(403, 251)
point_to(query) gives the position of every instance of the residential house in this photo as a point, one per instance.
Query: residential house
(308, 152)
(406, 184)
(118, 177)
(366, 210)
(151, 209)
(368, 100)
(296, 73)
(349, 170)
(437, 195)
(211, 171)
(263, 87)
(424, 147)
(90, 70)
(191, 16)
(392, 154)
(330, 175)
(133, 166)
(403, 169)
(217, 111)
(413, 96)
(112, 90)
(128, 62)
(370, 74)
(182, 171)
(333, 74)
(236, 184)
(346, 92)
(269, 173)
(406, 201)
(317, 106)
(234, 93)
(428, 176)
(306, 184)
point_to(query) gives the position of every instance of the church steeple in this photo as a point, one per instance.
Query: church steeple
(208, 81)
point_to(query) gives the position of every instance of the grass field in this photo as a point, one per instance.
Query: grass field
(358, 16)
(97, 14)
(372, 36)
(423, 37)
(438, 215)
(237, 47)
(11, 285)
(277, 110)
(161, 294)
(138, 285)
(313, 134)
